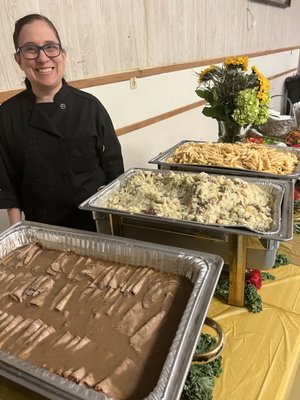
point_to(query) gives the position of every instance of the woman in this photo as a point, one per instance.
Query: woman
(57, 143)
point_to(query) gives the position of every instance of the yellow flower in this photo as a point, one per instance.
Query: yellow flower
(264, 85)
(206, 71)
(241, 61)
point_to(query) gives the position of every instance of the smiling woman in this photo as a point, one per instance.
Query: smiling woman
(43, 69)
(57, 143)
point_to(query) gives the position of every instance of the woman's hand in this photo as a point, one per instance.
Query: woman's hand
(14, 215)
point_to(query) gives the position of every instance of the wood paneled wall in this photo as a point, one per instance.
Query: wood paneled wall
(111, 36)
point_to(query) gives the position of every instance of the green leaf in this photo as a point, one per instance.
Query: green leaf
(206, 95)
(280, 260)
(201, 93)
(201, 377)
(297, 228)
(265, 276)
(217, 112)
(252, 298)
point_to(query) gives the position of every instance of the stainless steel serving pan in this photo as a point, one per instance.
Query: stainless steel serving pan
(201, 269)
(161, 161)
(282, 229)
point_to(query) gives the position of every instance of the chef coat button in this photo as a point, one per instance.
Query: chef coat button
(37, 178)
(62, 106)
(30, 142)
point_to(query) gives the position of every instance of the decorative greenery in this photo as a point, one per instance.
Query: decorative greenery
(297, 228)
(280, 260)
(252, 298)
(201, 377)
(234, 95)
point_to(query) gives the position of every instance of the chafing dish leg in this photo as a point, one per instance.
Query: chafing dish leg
(237, 270)
(270, 244)
(102, 223)
(115, 225)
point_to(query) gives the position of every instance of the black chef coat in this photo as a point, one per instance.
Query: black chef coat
(55, 155)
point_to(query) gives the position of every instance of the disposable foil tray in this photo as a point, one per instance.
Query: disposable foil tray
(95, 203)
(162, 163)
(201, 269)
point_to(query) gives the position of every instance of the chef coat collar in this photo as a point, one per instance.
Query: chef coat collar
(59, 96)
(62, 93)
(40, 120)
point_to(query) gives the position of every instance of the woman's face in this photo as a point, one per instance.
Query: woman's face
(44, 73)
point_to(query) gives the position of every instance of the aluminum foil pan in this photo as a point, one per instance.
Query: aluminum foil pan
(95, 203)
(201, 269)
(161, 161)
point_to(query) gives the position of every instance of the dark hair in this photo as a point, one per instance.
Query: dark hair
(28, 19)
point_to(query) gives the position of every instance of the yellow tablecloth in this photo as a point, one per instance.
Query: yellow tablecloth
(262, 351)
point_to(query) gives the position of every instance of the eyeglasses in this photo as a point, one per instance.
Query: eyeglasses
(32, 51)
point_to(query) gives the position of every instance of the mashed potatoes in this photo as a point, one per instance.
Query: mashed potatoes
(194, 197)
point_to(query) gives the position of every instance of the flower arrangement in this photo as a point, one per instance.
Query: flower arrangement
(234, 95)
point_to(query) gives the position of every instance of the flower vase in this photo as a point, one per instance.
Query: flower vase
(230, 132)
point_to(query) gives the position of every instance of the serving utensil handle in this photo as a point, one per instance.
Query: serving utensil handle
(204, 358)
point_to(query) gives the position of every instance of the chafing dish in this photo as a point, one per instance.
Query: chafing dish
(162, 163)
(201, 268)
(193, 235)
(281, 230)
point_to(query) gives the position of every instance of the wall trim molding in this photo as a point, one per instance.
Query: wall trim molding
(146, 72)
(142, 73)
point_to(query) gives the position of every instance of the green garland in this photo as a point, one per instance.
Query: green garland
(200, 381)
(297, 228)
(252, 298)
(280, 260)
(201, 377)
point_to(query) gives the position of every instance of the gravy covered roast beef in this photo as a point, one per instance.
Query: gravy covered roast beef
(104, 325)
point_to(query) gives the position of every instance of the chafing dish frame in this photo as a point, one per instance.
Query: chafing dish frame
(115, 220)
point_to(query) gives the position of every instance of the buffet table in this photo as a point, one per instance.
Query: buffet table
(262, 351)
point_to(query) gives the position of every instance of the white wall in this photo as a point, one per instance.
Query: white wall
(140, 146)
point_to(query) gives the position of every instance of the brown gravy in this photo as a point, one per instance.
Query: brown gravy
(106, 326)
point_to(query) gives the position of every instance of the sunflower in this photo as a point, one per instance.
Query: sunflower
(241, 62)
(205, 74)
(264, 86)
